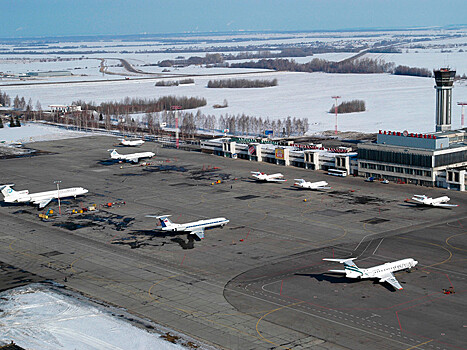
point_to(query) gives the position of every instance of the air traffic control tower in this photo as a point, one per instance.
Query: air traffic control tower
(444, 79)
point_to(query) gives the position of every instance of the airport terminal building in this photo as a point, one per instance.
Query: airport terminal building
(308, 156)
(437, 159)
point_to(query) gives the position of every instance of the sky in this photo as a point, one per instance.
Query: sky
(36, 18)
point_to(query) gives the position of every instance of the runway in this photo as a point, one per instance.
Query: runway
(259, 282)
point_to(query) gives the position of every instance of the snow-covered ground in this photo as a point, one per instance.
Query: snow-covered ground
(36, 317)
(32, 132)
(392, 102)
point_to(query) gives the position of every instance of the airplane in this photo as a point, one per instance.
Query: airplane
(194, 228)
(133, 157)
(434, 202)
(267, 178)
(381, 272)
(40, 198)
(319, 185)
(126, 142)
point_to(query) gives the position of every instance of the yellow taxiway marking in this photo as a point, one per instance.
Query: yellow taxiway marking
(270, 312)
(418, 345)
(434, 244)
(459, 234)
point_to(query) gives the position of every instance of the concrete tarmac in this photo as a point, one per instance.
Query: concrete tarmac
(259, 283)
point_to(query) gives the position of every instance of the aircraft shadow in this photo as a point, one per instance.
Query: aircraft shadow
(336, 279)
(416, 206)
(108, 162)
(188, 244)
(185, 244)
(329, 277)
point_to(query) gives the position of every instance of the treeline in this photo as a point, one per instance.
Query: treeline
(4, 99)
(413, 71)
(137, 105)
(214, 58)
(237, 124)
(365, 65)
(349, 107)
(241, 83)
(175, 82)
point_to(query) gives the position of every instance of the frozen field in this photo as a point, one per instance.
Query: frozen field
(36, 132)
(392, 102)
(39, 318)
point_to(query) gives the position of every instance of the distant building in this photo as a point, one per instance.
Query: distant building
(57, 73)
(65, 108)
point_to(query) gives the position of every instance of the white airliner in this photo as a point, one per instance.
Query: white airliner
(267, 178)
(381, 272)
(319, 185)
(132, 143)
(133, 157)
(195, 228)
(40, 198)
(434, 202)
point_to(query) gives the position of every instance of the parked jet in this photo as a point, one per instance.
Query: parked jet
(381, 272)
(267, 178)
(132, 143)
(40, 198)
(194, 228)
(133, 157)
(434, 202)
(319, 185)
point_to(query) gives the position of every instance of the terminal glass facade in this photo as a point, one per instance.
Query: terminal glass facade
(395, 157)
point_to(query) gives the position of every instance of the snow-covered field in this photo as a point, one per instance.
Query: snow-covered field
(31, 132)
(392, 102)
(36, 317)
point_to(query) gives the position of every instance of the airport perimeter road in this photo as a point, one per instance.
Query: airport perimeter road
(259, 283)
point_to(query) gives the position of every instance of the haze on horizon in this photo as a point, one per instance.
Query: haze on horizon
(32, 18)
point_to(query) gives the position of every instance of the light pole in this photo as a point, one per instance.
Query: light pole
(58, 196)
(462, 104)
(335, 109)
(176, 108)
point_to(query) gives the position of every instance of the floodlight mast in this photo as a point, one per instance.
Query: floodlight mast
(176, 108)
(335, 110)
(463, 104)
(58, 196)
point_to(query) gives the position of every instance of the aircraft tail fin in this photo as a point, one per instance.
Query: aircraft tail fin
(7, 190)
(347, 262)
(113, 153)
(164, 219)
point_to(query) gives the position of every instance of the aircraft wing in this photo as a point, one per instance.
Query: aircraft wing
(389, 277)
(445, 205)
(199, 232)
(133, 160)
(43, 203)
(276, 180)
(322, 188)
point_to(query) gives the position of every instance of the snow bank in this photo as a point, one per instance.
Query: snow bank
(32, 132)
(35, 317)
